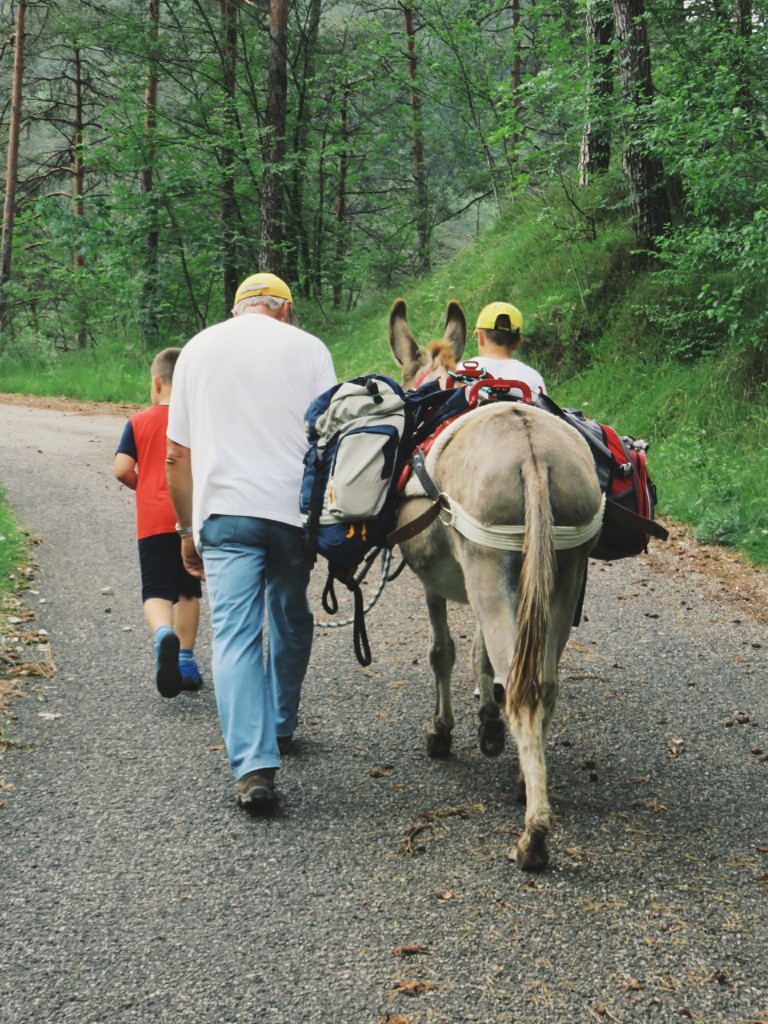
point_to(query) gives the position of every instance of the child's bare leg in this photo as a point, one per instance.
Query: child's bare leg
(186, 620)
(158, 612)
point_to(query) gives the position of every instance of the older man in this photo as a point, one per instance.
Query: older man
(236, 445)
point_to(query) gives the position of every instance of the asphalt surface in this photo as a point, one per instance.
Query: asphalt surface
(132, 888)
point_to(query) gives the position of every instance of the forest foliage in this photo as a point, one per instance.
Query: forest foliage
(167, 149)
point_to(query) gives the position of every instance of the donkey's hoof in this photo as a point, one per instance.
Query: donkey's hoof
(438, 743)
(531, 852)
(492, 735)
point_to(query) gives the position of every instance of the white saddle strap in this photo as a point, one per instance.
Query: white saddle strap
(510, 538)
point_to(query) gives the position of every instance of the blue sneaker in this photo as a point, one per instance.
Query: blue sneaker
(168, 677)
(191, 679)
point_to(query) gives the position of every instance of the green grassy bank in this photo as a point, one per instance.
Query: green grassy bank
(630, 347)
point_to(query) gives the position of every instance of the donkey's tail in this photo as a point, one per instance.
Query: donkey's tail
(537, 580)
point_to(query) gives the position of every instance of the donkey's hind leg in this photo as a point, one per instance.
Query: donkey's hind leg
(442, 655)
(492, 730)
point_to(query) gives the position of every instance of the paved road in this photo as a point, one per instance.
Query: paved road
(133, 890)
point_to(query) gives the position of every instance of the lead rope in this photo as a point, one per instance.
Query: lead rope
(357, 619)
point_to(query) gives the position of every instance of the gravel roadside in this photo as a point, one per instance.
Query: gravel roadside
(132, 889)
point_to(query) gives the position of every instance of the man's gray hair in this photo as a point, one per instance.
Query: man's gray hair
(270, 301)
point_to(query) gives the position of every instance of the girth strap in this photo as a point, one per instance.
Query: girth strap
(503, 538)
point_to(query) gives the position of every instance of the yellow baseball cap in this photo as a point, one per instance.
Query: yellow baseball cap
(263, 284)
(500, 316)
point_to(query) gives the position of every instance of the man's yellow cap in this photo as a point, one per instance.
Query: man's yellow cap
(500, 316)
(258, 285)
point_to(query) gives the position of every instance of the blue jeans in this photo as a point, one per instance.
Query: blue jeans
(247, 559)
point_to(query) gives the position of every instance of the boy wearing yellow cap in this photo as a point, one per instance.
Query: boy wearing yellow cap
(499, 331)
(236, 446)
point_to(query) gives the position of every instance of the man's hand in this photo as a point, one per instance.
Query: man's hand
(193, 563)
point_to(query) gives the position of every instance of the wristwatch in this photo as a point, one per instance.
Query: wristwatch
(183, 531)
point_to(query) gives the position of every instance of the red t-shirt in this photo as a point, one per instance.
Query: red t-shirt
(144, 440)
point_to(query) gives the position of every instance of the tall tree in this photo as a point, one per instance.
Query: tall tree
(78, 191)
(517, 73)
(417, 149)
(340, 226)
(644, 170)
(147, 180)
(273, 151)
(229, 212)
(12, 163)
(595, 153)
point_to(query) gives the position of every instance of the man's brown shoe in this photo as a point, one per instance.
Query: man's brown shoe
(256, 790)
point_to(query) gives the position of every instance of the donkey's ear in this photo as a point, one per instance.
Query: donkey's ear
(455, 329)
(404, 348)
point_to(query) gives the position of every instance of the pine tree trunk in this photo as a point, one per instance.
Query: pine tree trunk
(228, 12)
(743, 17)
(12, 164)
(517, 73)
(595, 154)
(152, 235)
(274, 141)
(419, 170)
(78, 189)
(341, 205)
(645, 172)
(301, 264)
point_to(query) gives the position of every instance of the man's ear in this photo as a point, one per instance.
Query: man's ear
(157, 384)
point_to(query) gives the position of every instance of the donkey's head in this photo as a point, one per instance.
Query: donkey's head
(421, 365)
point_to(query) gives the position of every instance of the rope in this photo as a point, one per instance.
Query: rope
(386, 559)
(510, 538)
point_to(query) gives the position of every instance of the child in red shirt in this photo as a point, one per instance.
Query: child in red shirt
(171, 596)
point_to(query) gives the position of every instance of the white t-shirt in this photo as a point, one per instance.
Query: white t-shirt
(510, 369)
(240, 391)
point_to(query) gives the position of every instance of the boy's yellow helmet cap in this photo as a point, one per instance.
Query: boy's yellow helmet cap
(258, 285)
(500, 316)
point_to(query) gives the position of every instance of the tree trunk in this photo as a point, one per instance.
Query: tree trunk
(645, 172)
(595, 154)
(12, 164)
(743, 17)
(419, 171)
(517, 77)
(300, 263)
(272, 213)
(152, 231)
(78, 188)
(340, 242)
(228, 12)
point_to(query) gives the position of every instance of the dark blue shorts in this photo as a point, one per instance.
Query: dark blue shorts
(162, 571)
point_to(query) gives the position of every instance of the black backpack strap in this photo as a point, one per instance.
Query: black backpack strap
(315, 507)
(331, 606)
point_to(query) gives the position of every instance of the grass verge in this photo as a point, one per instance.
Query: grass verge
(17, 632)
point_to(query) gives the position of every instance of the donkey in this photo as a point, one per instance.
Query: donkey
(525, 482)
